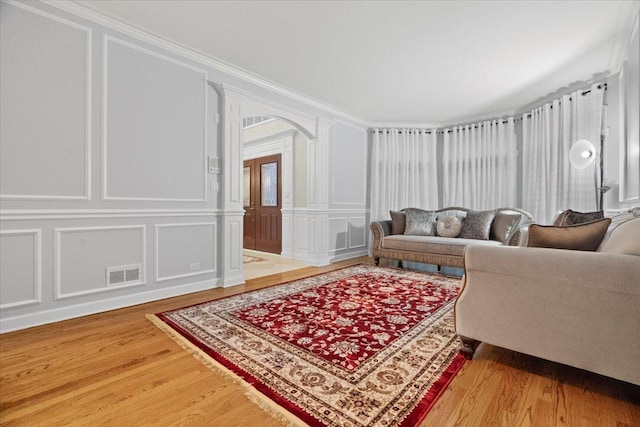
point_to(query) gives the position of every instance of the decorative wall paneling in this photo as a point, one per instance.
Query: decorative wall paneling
(334, 234)
(184, 250)
(82, 256)
(154, 111)
(57, 143)
(348, 233)
(69, 276)
(54, 205)
(21, 273)
(348, 162)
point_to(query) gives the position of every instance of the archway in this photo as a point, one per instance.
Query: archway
(265, 137)
(311, 226)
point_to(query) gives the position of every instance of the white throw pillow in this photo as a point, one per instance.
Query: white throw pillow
(449, 226)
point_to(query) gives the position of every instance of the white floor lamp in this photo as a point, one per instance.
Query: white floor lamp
(581, 155)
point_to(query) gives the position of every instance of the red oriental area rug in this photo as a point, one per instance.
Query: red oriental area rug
(361, 346)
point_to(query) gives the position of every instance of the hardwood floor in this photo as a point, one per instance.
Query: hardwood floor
(118, 369)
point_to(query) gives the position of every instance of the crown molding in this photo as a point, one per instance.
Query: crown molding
(146, 36)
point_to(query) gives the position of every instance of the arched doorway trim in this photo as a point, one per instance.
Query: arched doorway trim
(234, 105)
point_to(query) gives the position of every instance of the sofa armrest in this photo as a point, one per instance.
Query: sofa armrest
(380, 229)
(597, 270)
(574, 307)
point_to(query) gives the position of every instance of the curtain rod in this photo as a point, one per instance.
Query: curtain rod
(400, 131)
(515, 119)
(602, 86)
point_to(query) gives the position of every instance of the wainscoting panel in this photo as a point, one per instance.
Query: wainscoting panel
(338, 233)
(85, 255)
(184, 250)
(154, 126)
(348, 233)
(21, 272)
(45, 75)
(348, 160)
(287, 233)
(357, 232)
(301, 237)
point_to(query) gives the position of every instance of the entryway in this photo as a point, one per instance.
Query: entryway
(262, 200)
(260, 264)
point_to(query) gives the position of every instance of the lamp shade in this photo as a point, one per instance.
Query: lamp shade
(582, 154)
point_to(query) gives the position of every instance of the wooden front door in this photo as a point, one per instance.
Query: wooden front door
(262, 203)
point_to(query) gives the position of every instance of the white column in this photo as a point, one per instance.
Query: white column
(232, 101)
(318, 191)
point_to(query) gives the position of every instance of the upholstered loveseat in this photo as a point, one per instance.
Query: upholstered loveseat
(431, 247)
(577, 307)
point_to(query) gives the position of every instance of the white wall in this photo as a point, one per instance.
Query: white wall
(104, 141)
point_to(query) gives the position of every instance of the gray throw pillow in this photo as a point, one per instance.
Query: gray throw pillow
(477, 225)
(503, 225)
(420, 222)
(398, 222)
(570, 217)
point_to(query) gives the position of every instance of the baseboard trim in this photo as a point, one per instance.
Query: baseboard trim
(70, 312)
(233, 280)
(349, 255)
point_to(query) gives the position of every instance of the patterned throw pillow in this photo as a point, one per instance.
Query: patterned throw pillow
(398, 222)
(477, 225)
(570, 217)
(503, 225)
(449, 226)
(581, 237)
(420, 222)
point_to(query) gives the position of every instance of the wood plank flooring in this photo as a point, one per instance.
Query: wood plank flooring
(118, 369)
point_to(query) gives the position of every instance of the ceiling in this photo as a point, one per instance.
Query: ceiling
(429, 62)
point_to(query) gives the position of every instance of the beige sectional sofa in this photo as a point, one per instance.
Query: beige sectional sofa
(438, 250)
(580, 308)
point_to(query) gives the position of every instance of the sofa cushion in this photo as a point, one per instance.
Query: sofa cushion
(503, 225)
(432, 244)
(582, 237)
(398, 222)
(420, 222)
(624, 239)
(570, 217)
(477, 225)
(448, 226)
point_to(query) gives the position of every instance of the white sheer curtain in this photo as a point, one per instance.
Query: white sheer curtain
(479, 165)
(403, 171)
(549, 182)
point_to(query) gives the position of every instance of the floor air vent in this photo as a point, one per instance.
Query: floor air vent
(123, 275)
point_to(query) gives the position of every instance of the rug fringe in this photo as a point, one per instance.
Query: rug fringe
(263, 402)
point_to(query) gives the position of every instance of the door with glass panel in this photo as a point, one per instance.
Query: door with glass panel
(262, 201)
